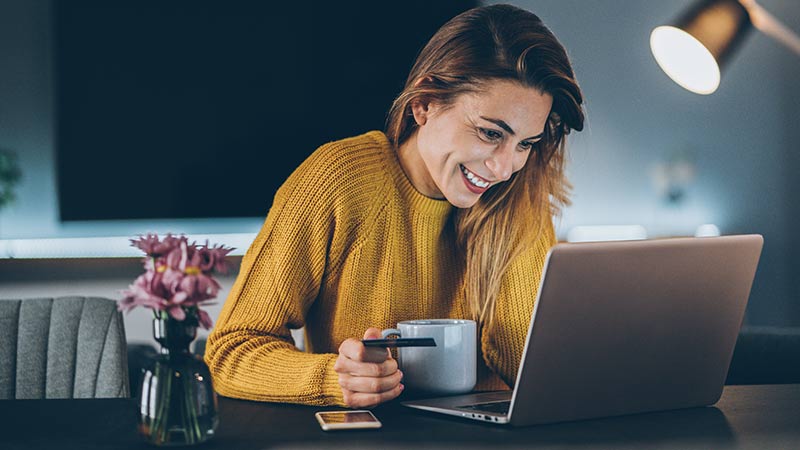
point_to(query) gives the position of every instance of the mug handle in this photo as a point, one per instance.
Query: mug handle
(390, 332)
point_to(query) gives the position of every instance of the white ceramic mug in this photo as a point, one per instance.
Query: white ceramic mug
(448, 368)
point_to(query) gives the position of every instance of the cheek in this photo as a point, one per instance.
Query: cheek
(519, 162)
(432, 140)
(441, 147)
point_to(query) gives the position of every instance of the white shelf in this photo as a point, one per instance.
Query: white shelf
(105, 247)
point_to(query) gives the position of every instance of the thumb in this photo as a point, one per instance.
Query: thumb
(372, 333)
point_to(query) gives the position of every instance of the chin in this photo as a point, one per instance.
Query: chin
(461, 202)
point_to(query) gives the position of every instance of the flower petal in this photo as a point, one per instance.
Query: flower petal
(179, 298)
(205, 319)
(176, 312)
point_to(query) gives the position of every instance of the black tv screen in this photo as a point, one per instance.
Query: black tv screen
(200, 108)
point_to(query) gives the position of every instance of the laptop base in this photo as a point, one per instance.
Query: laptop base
(457, 406)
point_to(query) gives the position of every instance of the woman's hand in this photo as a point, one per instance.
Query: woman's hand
(368, 376)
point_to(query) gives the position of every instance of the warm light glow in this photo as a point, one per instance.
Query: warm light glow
(596, 233)
(707, 230)
(685, 59)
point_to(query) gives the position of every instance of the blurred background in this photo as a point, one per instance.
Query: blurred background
(128, 117)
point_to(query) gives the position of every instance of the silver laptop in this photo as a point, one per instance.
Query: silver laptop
(622, 328)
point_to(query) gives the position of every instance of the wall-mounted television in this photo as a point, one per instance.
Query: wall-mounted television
(201, 108)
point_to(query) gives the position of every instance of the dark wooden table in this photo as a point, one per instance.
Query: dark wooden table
(751, 417)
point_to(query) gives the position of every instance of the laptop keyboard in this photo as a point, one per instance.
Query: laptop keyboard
(492, 407)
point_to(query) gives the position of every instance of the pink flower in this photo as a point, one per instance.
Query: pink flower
(203, 259)
(171, 279)
(177, 277)
(200, 288)
(153, 247)
(176, 312)
(209, 259)
(205, 319)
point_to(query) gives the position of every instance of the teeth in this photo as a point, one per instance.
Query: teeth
(474, 179)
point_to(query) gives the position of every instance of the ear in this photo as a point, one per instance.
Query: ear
(420, 107)
(427, 79)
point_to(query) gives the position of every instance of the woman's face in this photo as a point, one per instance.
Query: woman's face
(458, 153)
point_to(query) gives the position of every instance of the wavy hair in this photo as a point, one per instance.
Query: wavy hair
(481, 45)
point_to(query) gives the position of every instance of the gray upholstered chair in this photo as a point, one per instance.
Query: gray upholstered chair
(66, 347)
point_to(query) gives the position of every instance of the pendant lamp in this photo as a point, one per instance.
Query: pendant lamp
(695, 48)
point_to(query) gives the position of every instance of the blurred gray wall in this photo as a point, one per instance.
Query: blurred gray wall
(741, 141)
(26, 115)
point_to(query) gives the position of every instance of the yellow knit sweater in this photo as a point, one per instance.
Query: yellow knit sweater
(350, 244)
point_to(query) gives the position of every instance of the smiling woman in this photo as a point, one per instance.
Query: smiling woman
(445, 215)
(470, 144)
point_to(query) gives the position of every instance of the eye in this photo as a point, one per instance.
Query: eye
(491, 135)
(527, 145)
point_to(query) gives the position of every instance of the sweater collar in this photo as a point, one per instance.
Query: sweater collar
(417, 202)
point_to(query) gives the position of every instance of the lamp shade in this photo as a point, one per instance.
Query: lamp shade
(694, 49)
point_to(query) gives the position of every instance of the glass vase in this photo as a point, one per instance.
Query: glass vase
(177, 402)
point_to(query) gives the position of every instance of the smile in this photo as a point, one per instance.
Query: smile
(474, 179)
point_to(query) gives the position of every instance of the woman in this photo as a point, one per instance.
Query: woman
(447, 214)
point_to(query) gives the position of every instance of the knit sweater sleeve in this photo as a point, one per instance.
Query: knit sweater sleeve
(503, 344)
(251, 353)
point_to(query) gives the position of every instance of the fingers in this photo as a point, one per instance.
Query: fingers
(368, 400)
(367, 376)
(372, 333)
(365, 369)
(370, 385)
(353, 349)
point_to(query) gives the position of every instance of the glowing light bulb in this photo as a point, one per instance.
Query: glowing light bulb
(684, 59)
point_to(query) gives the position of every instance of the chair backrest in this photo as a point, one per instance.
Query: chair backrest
(65, 347)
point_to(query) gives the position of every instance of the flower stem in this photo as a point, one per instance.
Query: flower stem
(194, 434)
(160, 427)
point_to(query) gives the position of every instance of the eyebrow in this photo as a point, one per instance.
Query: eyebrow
(503, 125)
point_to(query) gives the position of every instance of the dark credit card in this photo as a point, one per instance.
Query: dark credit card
(400, 342)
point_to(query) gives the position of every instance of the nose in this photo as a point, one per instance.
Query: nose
(500, 163)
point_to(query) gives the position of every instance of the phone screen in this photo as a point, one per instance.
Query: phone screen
(334, 420)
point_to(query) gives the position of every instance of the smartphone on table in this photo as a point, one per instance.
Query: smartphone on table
(347, 420)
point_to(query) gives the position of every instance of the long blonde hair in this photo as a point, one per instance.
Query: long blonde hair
(498, 42)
